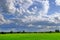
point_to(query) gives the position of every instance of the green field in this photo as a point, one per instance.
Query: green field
(31, 36)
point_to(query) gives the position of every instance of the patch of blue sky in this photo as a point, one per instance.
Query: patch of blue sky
(37, 6)
(53, 7)
(8, 16)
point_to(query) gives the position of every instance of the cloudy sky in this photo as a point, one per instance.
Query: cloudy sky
(29, 15)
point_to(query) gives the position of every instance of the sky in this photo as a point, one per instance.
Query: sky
(29, 15)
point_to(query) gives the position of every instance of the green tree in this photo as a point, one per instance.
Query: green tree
(57, 31)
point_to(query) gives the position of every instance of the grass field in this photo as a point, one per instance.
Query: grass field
(31, 36)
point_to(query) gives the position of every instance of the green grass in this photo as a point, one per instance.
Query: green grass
(31, 36)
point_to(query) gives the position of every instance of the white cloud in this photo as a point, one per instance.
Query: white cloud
(17, 5)
(40, 13)
(45, 7)
(3, 20)
(24, 16)
(57, 2)
(55, 17)
(10, 6)
(31, 25)
(21, 6)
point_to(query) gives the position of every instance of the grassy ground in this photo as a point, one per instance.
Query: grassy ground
(32, 36)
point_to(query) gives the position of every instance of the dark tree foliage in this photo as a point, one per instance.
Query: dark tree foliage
(11, 32)
(2, 32)
(57, 31)
(23, 31)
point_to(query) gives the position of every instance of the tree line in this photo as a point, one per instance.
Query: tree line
(56, 31)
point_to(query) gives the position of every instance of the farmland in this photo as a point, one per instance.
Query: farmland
(30, 36)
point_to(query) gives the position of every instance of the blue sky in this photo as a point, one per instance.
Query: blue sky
(29, 15)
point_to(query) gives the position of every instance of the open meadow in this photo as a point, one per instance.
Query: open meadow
(30, 36)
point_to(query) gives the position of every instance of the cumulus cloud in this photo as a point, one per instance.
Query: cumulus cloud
(3, 20)
(31, 10)
(57, 2)
(21, 6)
(55, 17)
(29, 13)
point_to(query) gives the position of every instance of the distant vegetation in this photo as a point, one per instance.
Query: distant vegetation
(56, 31)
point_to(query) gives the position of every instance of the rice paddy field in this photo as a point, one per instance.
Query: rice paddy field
(31, 36)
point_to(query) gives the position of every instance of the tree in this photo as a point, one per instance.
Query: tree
(2, 32)
(57, 31)
(23, 31)
(11, 31)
